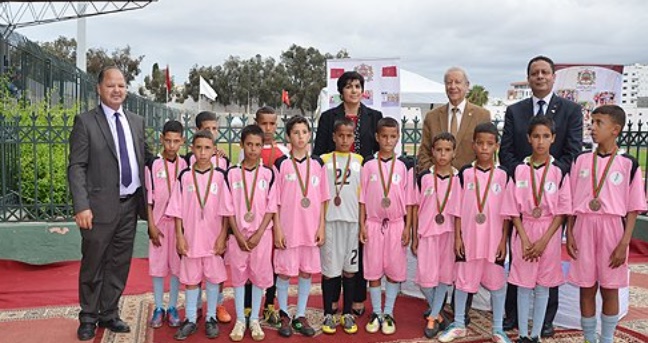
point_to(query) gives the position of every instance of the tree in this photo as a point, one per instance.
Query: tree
(155, 86)
(62, 47)
(478, 95)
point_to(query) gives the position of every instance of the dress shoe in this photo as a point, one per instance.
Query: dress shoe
(86, 331)
(115, 325)
(509, 324)
(547, 331)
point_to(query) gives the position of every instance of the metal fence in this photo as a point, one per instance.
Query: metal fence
(34, 154)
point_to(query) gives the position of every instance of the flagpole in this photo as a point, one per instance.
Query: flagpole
(199, 100)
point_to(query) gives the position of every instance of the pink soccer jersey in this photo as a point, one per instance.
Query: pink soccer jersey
(300, 224)
(426, 199)
(481, 240)
(622, 192)
(201, 227)
(400, 192)
(220, 162)
(157, 183)
(265, 199)
(556, 199)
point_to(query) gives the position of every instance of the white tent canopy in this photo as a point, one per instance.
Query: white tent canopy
(416, 89)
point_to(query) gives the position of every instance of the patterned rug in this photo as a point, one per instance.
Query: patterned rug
(136, 309)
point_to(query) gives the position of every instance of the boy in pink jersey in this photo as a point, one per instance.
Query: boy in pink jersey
(160, 178)
(385, 223)
(537, 203)
(302, 191)
(608, 193)
(199, 204)
(480, 234)
(249, 250)
(436, 193)
(206, 120)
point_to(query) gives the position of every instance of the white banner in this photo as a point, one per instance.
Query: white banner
(590, 86)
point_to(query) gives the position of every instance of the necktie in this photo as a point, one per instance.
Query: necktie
(453, 122)
(124, 161)
(541, 104)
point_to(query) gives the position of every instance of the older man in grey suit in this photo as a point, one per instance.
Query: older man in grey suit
(106, 177)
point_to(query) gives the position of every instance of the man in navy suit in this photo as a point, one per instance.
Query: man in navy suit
(568, 119)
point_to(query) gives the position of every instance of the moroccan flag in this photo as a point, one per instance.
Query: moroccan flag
(389, 71)
(167, 78)
(285, 98)
(336, 73)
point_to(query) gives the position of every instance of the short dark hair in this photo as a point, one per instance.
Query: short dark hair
(254, 130)
(386, 122)
(203, 117)
(348, 77)
(298, 119)
(102, 72)
(541, 120)
(202, 134)
(487, 127)
(616, 113)
(541, 58)
(173, 126)
(445, 136)
(344, 121)
(264, 110)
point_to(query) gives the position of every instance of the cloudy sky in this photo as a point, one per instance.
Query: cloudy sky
(491, 39)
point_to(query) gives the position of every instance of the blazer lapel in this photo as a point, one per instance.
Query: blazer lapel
(554, 106)
(443, 118)
(105, 129)
(466, 121)
(129, 117)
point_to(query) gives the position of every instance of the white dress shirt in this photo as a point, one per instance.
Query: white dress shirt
(132, 158)
(461, 107)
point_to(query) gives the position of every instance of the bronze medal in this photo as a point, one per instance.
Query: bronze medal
(595, 205)
(439, 219)
(385, 202)
(337, 200)
(305, 202)
(537, 212)
(480, 218)
(248, 217)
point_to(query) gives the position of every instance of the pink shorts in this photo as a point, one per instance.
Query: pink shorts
(194, 270)
(384, 254)
(164, 259)
(255, 265)
(473, 273)
(547, 271)
(596, 236)
(436, 260)
(292, 261)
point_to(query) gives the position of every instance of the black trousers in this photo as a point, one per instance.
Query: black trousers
(107, 250)
(360, 291)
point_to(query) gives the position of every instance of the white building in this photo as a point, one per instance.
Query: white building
(634, 93)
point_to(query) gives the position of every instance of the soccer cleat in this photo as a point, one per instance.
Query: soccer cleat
(157, 318)
(374, 323)
(285, 330)
(500, 337)
(211, 328)
(238, 331)
(349, 324)
(388, 326)
(302, 326)
(329, 325)
(222, 315)
(256, 330)
(432, 328)
(187, 329)
(271, 316)
(453, 332)
(173, 318)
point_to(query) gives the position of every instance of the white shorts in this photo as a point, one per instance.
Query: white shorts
(340, 250)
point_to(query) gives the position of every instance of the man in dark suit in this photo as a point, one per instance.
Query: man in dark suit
(106, 178)
(515, 146)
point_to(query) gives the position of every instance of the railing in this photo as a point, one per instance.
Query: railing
(34, 155)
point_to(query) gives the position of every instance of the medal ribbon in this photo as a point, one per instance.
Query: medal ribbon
(537, 196)
(166, 170)
(481, 203)
(202, 201)
(441, 205)
(382, 176)
(249, 200)
(597, 186)
(344, 174)
(304, 187)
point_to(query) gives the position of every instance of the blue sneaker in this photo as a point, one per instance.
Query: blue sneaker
(500, 336)
(453, 332)
(157, 318)
(173, 317)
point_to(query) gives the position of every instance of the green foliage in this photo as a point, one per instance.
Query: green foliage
(155, 86)
(478, 95)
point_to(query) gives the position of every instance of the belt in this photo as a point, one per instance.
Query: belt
(127, 197)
